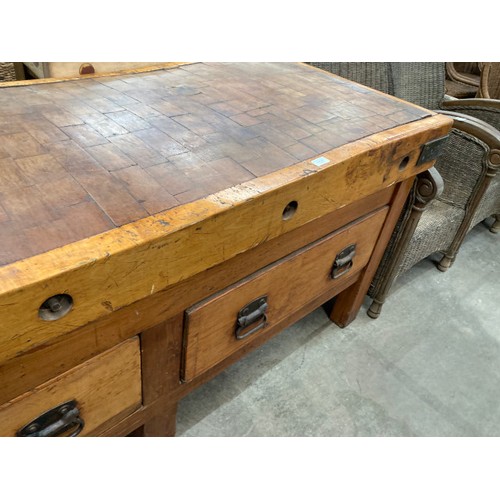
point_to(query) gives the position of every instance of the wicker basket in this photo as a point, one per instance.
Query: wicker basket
(7, 72)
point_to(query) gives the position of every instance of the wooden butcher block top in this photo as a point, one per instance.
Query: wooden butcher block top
(81, 157)
(106, 169)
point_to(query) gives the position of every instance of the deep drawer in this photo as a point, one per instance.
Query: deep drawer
(222, 324)
(105, 387)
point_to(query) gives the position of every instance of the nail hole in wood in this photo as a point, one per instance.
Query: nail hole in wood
(290, 210)
(404, 163)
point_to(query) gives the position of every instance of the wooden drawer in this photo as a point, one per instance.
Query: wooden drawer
(104, 388)
(212, 330)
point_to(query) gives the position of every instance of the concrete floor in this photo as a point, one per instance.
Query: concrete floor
(428, 366)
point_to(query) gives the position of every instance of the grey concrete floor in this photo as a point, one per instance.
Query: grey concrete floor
(428, 366)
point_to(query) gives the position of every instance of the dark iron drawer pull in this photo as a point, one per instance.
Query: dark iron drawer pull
(254, 312)
(343, 262)
(55, 422)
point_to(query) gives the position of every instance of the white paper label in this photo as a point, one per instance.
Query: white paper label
(320, 161)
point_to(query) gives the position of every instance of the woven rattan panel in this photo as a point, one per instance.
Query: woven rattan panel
(78, 158)
(493, 82)
(7, 72)
(489, 204)
(422, 83)
(426, 240)
(460, 177)
(376, 75)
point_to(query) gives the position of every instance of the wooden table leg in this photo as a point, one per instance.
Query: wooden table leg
(161, 349)
(162, 425)
(348, 303)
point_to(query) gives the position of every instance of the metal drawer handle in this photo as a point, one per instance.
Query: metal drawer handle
(254, 312)
(55, 422)
(343, 262)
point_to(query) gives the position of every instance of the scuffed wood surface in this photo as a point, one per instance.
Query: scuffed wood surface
(79, 158)
(288, 284)
(56, 356)
(104, 387)
(108, 271)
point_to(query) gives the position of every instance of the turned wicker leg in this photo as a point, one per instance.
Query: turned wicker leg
(427, 186)
(451, 254)
(446, 262)
(348, 302)
(495, 228)
(375, 308)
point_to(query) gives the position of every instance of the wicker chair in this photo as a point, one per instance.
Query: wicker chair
(438, 214)
(7, 72)
(485, 109)
(489, 86)
(462, 79)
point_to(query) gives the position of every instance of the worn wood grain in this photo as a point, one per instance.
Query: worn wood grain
(178, 180)
(106, 386)
(203, 111)
(348, 303)
(133, 425)
(58, 354)
(160, 375)
(288, 284)
(116, 268)
(186, 388)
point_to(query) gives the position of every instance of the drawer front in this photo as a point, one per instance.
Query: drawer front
(104, 387)
(222, 324)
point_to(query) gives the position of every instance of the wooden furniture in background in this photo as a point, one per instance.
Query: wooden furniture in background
(73, 69)
(136, 209)
(462, 79)
(489, 87)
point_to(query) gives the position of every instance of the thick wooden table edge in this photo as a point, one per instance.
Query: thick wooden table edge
(119, 253)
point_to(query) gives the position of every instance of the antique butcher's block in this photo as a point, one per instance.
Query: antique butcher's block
(157, 226)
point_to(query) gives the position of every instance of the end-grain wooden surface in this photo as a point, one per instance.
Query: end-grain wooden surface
(81, 157)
